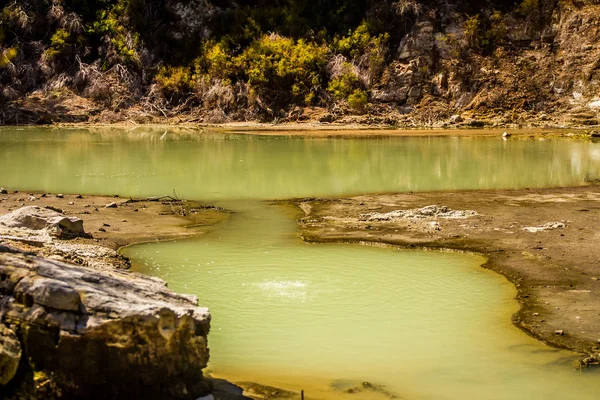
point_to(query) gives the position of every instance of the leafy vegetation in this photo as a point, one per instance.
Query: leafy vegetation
(264, 56)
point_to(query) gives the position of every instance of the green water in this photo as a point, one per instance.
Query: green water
(427, 325)
(227, 166)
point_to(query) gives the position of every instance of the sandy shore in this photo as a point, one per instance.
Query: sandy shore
(322, 130)
(545, 241)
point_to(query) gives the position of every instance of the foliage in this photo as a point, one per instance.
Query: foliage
(528, 7)
(110, 25)
(294, 70)
(358, 100)
(7, 56)
(359, 42)
(60, 44)
(346, 83)
(485, 32)
(174, 82)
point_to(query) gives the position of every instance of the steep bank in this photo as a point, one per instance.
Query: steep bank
(66, 329)
(74, 332)
(401, 63)
(542, 240)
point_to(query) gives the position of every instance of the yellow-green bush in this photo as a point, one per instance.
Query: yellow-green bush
(283, 69)
(122, 39)
(174, 82)
(60, 43)
(358, 100)
(7, 56)
(359, 42)
(342, 86)
(528, 7)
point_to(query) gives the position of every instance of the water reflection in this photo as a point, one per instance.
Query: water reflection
(228, 166)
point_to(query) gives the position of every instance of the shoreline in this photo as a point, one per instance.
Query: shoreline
(317, 129)
(336, 220)
(555, 271)
(548, 302)
(126, 222)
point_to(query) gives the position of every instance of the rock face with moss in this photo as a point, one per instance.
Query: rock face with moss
(73, 332)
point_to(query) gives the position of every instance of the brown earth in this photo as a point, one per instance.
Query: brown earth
(131, 221)
(556, 271)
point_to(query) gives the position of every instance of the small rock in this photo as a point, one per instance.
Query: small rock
(71, 203)
(456, 119)
(536, 314)
(111, 205)
(43, 195)
(79, 196)
(60, 196)
(559, 332)
(506, 135)
(107, 225)
(37, 218)
(102, 230)
(136, 210)
(3, 190)
(124, 220)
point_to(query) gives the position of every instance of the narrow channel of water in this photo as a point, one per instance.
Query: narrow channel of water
(427, 325)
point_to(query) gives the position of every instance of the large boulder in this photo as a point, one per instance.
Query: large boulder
(97, 334)
(38, 218)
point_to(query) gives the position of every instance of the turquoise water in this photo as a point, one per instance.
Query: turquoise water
(426, 325)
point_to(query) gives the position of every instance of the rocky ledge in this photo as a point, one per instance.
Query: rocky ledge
(73, 332)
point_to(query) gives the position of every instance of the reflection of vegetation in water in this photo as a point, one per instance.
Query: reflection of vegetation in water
(149, 162)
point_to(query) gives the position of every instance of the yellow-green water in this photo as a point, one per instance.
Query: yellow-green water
(427, 325)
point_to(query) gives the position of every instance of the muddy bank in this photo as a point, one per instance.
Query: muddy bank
(110, 222)
(543, 240)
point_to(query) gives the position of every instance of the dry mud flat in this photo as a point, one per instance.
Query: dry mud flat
(545, 241)
(110, 222)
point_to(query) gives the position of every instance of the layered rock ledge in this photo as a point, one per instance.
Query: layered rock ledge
(73, 332)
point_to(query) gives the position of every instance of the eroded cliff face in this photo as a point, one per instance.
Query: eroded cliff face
(403, 62)
(541, 69)
(73, 332)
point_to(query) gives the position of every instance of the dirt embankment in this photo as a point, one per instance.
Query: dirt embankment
(545, 241)
(110, 222)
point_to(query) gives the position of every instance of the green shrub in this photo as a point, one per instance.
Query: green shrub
(282, 69)
(174, 82)
(7, 56)
(359, 42)
(528, 7)
(485, 33)
(60, 44)
(358, 100)
(109, 23)
(471, 29)
(342, 86)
